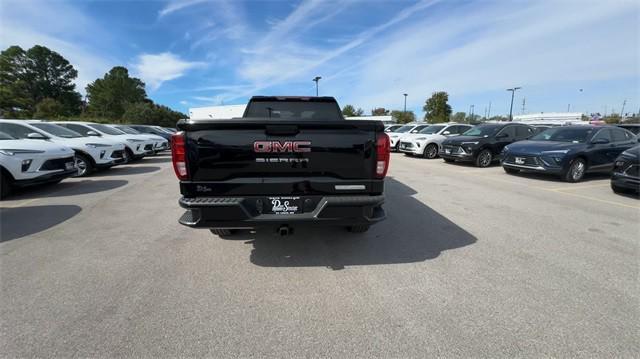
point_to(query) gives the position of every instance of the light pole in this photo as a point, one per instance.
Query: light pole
(513, 92)
(316, 80)
(405, 102)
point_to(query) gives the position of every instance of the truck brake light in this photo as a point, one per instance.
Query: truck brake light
(383, 150)
(179, 156)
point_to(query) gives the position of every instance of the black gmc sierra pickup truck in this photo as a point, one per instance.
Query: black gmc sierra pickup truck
(288, 161)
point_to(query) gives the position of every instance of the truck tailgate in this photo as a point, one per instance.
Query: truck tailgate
(232, 156)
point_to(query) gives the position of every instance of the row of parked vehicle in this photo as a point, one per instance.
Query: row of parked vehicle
(37, 152)
(569, 152)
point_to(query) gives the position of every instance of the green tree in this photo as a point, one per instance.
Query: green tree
(612, 118)
(109, 96)
(49, 108)
(499, 118)
(436, 108)
(459, 117)
(28, 77)
(350, 111)
(148, 113)
(403, 117)
(380, 111)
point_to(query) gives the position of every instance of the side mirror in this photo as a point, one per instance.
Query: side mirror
(600, 141)
(93, 133)
(414, 131)
(446, 133)
(502, 135)
(36, 136)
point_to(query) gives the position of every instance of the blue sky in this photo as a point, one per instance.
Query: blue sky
(194, 53)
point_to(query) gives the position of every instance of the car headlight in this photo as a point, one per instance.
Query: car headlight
(95, 145)
(11, 152)
(134, 140)
(470, 143)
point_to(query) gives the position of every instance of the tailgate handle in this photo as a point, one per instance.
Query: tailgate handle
(286, 130)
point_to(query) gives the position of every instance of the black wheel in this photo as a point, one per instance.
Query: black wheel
(431, 151)
(576, 170)
(358, 229)
(222, 232)
(447, 160)
(128, 155)
(84, 165)
(5, 186)
(511, 170)
(484, 159)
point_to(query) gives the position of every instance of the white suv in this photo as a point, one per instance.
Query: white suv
(428, 141)
(32, 161)
(396, 135)
(91, 152)
(160, 144)
(136, 146)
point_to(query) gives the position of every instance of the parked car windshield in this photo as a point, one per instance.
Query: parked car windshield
(431, 129)
(564, 134)
(129, 130)
(105, 129)
(483, 130)
(56, 130)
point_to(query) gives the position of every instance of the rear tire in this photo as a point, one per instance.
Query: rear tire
(85, 167)
(5, 186)
(576, 170)
(431, 151)
(221, 232)
(358, 229)
(484, 159)
(511, 171)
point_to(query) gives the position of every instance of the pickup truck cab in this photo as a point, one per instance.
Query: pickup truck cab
(288, 161)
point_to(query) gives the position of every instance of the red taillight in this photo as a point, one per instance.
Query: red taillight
(178, 155)
(383, 150)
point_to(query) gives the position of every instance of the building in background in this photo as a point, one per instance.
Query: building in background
(217, 112)
(551, 118)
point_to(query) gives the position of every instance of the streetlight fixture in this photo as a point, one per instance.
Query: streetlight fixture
(405, 102)
(513, 92)
(316, 80)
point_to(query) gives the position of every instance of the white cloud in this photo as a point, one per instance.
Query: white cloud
(176, 5)
(154, 69)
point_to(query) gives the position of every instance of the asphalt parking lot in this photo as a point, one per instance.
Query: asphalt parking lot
(469, 263)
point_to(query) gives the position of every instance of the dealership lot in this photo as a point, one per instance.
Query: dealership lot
(470, 262)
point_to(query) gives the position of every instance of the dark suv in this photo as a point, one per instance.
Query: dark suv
(483, 143)
(626, 172)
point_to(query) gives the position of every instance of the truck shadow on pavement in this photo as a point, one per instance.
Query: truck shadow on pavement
(155, 159)
(412, 232)
(127, 170)
(18, 222)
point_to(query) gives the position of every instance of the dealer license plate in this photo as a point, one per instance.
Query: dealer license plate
(284, 205)
(519, 160)
(447, 150)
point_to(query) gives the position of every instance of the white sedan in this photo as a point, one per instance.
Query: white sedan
(427, 142)
(160, 143)
(29, 162)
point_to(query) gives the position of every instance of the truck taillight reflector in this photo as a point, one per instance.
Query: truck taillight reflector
(383, 150)
(178, 155)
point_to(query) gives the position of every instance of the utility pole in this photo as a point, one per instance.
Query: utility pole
(622, 111)
(316, 80)
(472, 107)
(405, 102)
(513, 92)
(524, 100)
(568, 107)
(489, 112)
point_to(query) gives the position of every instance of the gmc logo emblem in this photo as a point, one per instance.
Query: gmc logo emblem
(280, 147)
